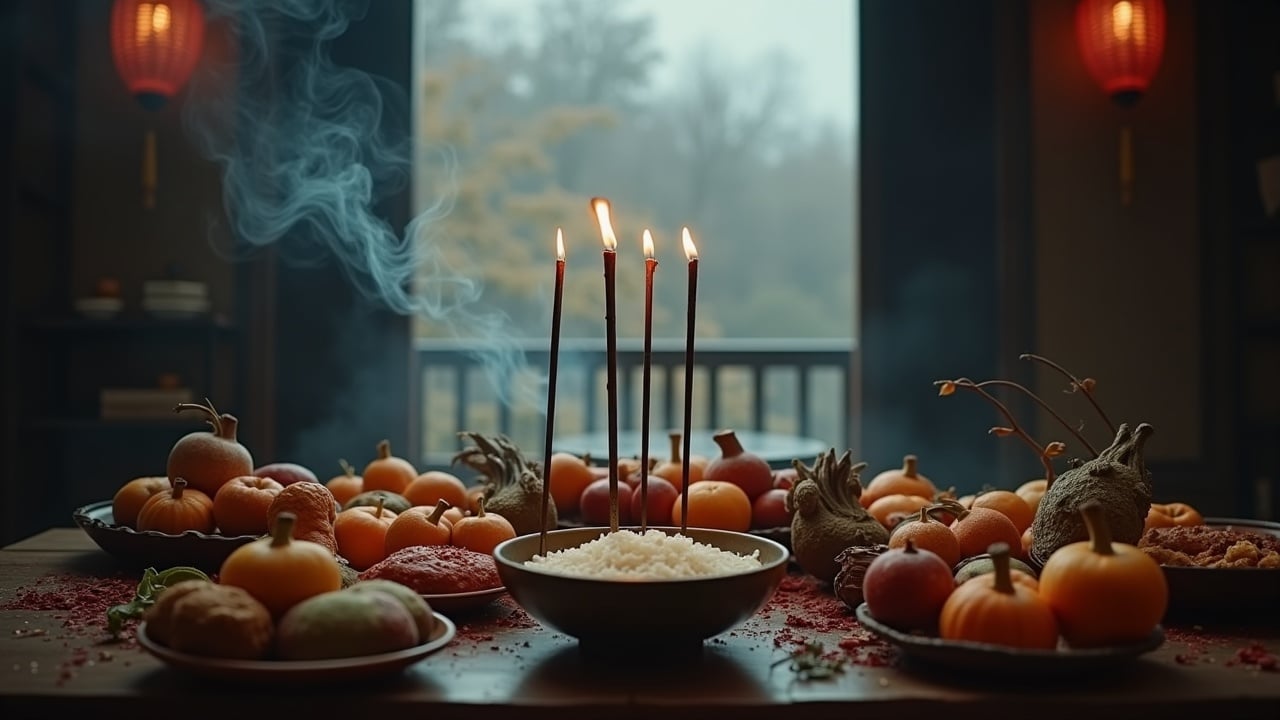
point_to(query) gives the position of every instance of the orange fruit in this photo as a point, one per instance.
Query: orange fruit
(130, 498)
(387, 471)
(418, 525)
(569, 476)
(240, 507)
(347, 485)
(436, 485)
(1032, 491)
(1010, 504)
(980, 528)
(715, 504)
(483, 531)
(891, 509)
(361, 533)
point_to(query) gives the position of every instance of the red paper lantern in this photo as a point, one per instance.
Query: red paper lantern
(155, 45)
(1121, 41)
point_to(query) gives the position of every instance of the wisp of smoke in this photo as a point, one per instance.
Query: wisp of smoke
(308, 148)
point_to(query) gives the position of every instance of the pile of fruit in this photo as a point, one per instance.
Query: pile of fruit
(736, 490)
(1071, 602)
(282, 598)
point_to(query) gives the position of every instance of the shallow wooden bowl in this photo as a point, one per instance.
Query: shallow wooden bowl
(627, 616)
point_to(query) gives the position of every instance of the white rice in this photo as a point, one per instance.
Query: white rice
(655, 555)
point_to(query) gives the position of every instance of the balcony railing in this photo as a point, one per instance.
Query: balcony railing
(791, 386)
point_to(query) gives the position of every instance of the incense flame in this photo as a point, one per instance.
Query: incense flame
(648, 244)
(601, 208)
(559, 244)
(690, 250)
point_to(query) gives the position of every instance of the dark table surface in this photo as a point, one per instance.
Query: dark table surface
(504, 665)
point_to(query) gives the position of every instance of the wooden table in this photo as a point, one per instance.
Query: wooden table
(496, 671)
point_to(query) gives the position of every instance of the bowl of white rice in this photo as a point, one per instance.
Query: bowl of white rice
(626, 590)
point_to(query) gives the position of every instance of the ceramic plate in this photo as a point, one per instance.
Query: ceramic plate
(1228, 592)
(458, 602)
(155, 549)
(972, 657)
(300, 671)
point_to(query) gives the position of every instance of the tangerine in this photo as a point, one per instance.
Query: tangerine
(715, 504)
(1010, 504)
(434, 485)
(361, 533)
(569, 475)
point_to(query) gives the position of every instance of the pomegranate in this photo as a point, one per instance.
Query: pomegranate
(735, 465)
(906, 588)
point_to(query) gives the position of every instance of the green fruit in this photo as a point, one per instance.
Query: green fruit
(341, 624)
(412, 601)
(394, 502)
(983, 564)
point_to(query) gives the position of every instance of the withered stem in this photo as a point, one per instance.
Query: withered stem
(1075, 383)
(1013, 424)
(1044, 406)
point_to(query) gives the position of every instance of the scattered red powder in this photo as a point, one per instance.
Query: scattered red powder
(81, 604)
(1257, 656)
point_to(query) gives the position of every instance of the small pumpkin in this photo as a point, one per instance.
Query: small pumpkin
(1103, 592)
(280, 571)
(482, 532)
(177, 511)
(419, 525)
(891, 510)
(906, 480)
(996, 609)
(347, 485)
(388, 472)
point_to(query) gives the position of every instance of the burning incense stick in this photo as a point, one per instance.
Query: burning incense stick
(691, 252)
(601, 208)
(650, 264)
(553, 362)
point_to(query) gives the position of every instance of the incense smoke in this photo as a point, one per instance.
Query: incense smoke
(308, 148)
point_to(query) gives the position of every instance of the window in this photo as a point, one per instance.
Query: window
(732, 117)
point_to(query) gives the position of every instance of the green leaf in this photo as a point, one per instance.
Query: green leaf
(153, 583)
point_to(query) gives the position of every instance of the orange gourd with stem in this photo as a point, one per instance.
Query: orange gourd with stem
(1103, 592)
(906, 480)
(347, 485)
(927, 534)
(996, 609)
(483, 531)
(672, 468)
(388, 472)
(177, 511)
(419, 525)
(281, 571)
(361, 533)
(131, 496)
(207, 460)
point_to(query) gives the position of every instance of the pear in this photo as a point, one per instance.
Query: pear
(341, 624)
(412, 601)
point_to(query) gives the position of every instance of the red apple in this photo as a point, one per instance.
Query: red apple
(660, 496)
(595, 503)
(769, 510)
(286, 473)
(785, 478)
